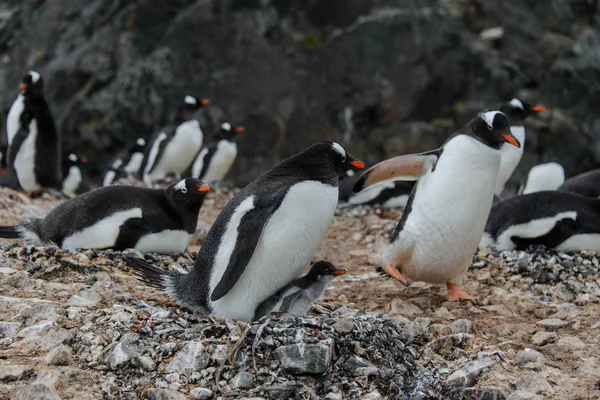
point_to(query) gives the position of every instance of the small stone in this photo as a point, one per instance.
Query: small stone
(374, 395)
(201, 393)
(36, 391)
(163, 394)
(357, 366)
(9, 329)
(443, 313)
(532, 382)
(461, 326)
(596, 325)
(86, 298)
(146, 363)
(543, 338)
(590, 367)
(61, 355)
(14, 372)
(583, 299)
(20, 280)
(192, 357)
(552, 323)
(343, 326)
(529, 356)
(119, 354)
(172, 377)
(521, 395)
(439, 330)
(403, 307)
(483, 393)
(242, 380)
(468, 375)
(333, 396)
(571, 343)
(447, 344)
(302, 358)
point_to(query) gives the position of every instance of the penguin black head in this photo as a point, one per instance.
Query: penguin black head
(33, 84)
(73, 159)
(229, 132)
(517, 110)
(492, 128)
(323, 269)
(334, 153)
(138, 147)
(188, 194)
(193, 103)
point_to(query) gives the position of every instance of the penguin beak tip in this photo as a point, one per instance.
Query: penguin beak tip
(83, 160)
(205, 102)
(240, 129)
(357, 164)
(204, 189)
(511, 139)
(340, 271)
(23, 87)
(538, 108)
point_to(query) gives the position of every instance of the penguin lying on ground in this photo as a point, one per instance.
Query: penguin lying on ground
(120, 217)
(73, 179)
(212, 163)
(444, 219)
(586, 184)
(516, 111)
(172, 153)
(34, 151)
(264, 237)
(298, 295)
(555, 219)
(547, 176)
(128, 165)
(386, 194)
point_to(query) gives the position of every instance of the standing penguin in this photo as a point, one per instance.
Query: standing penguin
(120, 217)
(444, 219)
(73, 180)
(264, 237)
(516, 110)
(34, 151)
(212, 164)
(173, 153)
(14, 114)
(298, 295)
(547, 176)
(127, 165)
(557, 220)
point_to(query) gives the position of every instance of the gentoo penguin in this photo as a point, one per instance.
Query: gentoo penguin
(586, 184)
(386, 194)
(444, 219)
(127, 165)
(516, 110)
(174, 152)
(547, 176)
(212, 164)
(13, 118)
(298, 295)
(264, 237)
(73, 182)
(34, 151)
(120, 217)
(558, 220)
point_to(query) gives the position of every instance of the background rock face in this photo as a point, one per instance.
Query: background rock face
(382, 76)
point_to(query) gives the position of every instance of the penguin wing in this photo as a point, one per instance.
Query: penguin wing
(561, 231)
(16, 143)
(164, 141)
(289, 300)
(409, 167)
(249, 232)
(130, 233)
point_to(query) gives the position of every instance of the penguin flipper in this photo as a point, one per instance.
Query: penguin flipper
(249, 232)
(288, 301)
(130, 233)
(561, 231)
(409, 167)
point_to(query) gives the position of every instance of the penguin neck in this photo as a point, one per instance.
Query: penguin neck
(188, 213)
(312, 168)
(184, 116)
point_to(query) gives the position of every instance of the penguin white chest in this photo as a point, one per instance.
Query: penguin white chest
(179, 153)
(14, 117)
(287, 243)
(510, 158)
(25, 160)
(221, 161)
(448, 214)
(72, 181)
(134, 164)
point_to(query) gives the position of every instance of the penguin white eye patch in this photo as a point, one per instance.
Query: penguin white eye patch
(337, 147)
(181, 186)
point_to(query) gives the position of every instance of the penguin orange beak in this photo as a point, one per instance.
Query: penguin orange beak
(511, 139)
(239, 129)
(204, 102)
(357, 164)
(83, 160)
(538, 108)
(203, 189)
(4, 171)
(23, 87)
(339, 271)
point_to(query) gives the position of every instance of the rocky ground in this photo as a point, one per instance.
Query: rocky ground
(80, 326)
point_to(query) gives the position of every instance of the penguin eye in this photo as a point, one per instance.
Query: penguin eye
(184, 190)
(343, 158)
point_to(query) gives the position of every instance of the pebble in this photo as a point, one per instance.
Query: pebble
(302, 358)
(543, 338)
(192, 357)
(552, 323)
(343, 326)
(163, 394)
(571, 343)
(36, 391)
(61, 355)
(201, 393)
(20, 280)
(590, 367)
(242, 380)
(521, 395)
(532, 382)
(528, 356)
(468, 375)
(14, 372)
(461, 326)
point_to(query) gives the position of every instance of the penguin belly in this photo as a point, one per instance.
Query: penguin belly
(220, 162)
(101, 235)
(72, 181)
(14, 117)
(25, 160)
(288, 242)
(511, 156)
(179, 153)
(447, 215)
(134, 164)
(164, 242)
(199, 163)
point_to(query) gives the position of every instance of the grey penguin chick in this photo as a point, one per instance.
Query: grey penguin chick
(120, 217)
(444, 218)
(264, 237)
(298, 295)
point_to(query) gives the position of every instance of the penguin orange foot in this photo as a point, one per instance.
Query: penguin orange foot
(395, 273)
(455, 293)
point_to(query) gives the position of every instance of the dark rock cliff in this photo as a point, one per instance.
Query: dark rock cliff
(382, 76)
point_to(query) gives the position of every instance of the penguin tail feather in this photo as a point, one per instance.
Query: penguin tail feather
(148, 273)
(10, 232)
